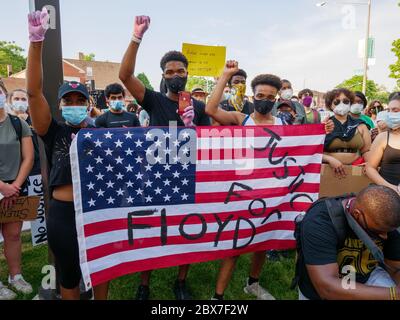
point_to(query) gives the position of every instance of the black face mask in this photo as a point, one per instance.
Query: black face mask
(176, 84)
(264, 106)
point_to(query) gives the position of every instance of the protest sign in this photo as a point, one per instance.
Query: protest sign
(25, 209)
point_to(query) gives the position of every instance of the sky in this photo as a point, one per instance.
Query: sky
(314, 47)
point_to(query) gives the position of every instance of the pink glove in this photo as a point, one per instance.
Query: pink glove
(38, 25)
(141, 25)
(188, 116)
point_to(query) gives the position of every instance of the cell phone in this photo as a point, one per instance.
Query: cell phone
(184, 101)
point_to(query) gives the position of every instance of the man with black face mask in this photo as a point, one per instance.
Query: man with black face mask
(162, 109)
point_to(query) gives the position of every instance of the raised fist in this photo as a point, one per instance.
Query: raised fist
(142, 23)
(231, 68)
(38, 23)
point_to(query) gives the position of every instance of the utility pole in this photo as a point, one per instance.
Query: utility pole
(367, 49)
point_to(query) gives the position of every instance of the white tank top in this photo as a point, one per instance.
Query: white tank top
(248, 121)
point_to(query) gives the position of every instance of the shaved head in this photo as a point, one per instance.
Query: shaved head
(381, 205)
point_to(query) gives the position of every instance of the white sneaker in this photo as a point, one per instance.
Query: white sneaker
(19, 284)
(256, 290)
(5, 293)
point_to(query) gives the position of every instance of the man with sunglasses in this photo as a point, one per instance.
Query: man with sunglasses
(332, 269)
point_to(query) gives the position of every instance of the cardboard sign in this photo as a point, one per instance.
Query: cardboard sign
(331, 186)
(25, 209)
(205, 61)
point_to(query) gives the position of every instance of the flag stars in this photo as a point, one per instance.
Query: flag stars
(109, 152)
(185, 197)
(110, 200)
(158, 175)
(129, 168)
(108, 135)
(185, 166)
(90, 186)
(99, 177)
(110, 168)
(149, 199)
(158, 143)
(118, 144)
(148, 167)
(176, 174)
(158, 190)
(129, 184)
(129, 152)
(139, 176)
(120, 192)
(119, 160)
(176, 189)
(149, 136)
(167, 182)
(100, 193)
(167, 135)
(167, 198)
(92, 203)
(186, 135)
(177, 143)
(139, 192)
(139, 143)
(98, 143)
(148, 183)
(185, 182)
(185, 150)
(110, 184)
(89, 169)
(130, 200)
(120, 176)
(99, 160)
(128, 135)
(139, 159)
(88, 135)
(167, 167)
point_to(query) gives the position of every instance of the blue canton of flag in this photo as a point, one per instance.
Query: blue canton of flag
(134, 168)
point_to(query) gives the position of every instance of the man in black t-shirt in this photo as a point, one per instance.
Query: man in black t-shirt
(117, 116)
(163, 111)
(330, 267)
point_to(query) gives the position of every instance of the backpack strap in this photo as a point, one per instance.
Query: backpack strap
(16, 123)
(315, 116)
(335, 211)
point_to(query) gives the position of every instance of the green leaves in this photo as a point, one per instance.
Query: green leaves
(395, 68)
(11, 54)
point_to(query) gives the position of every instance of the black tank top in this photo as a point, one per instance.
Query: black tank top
(390, 167)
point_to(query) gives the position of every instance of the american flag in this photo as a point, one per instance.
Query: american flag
(150, 198)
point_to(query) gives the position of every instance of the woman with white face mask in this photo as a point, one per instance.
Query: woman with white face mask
(350, 141)
(385, 151)
(18, 103)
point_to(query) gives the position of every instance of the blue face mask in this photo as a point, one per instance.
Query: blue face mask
(393, 120)
(117, 105)
(75, 115)
(3, 100)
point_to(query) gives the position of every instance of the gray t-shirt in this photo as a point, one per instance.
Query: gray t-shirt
(10, 149)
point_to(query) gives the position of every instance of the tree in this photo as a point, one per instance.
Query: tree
(200, 82)
(356, 83)
(89, 57)
(11, 54)
(395, 68)
(142, 77)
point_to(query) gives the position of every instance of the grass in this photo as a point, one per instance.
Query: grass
(276, 277)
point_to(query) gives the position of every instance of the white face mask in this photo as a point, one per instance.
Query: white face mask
(287, 94)
(357, 108)
(342, 109)
(20, 106)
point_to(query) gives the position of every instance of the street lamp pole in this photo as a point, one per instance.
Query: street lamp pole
(364, 89)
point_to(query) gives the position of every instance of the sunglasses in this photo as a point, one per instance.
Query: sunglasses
(338, 101)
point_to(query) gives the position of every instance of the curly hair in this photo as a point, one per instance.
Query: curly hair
(173, 56)
(335, 93)
(304, 92)
(267, 79)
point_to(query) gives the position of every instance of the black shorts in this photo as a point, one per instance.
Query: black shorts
(24, 188)
(63, 242)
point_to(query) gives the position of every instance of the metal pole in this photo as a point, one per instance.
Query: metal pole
(364, 89)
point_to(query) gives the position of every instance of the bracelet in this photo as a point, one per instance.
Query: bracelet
(393, 293)
(136, 39)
